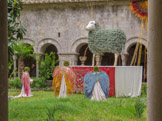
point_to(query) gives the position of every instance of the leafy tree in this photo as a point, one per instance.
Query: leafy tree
(16, 30)
(47, 66)
(22, 50)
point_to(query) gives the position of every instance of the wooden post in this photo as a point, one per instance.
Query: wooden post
(3, 62)
(154, 98)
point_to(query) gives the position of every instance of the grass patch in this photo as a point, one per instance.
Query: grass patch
(74, 108)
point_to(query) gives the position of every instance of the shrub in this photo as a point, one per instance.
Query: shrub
(16, 83)
(47, 66)
(32, 85)
(48, 89)
(38, 83)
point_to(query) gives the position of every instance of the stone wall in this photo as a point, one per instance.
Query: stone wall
(63, 25)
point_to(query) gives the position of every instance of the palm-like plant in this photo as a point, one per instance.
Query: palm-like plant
(22, 50)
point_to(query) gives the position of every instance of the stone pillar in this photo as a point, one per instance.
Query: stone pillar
(124, 59)
(3, 62)
(37, 65)
(98, 59)
(14, 59)
(154, 98)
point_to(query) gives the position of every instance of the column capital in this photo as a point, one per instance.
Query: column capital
(37, 55)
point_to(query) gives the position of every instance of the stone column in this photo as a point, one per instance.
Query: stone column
(37, 65)
(98, 58)
(154, 98)
(124, 59)
(14, 59)
(3, 62)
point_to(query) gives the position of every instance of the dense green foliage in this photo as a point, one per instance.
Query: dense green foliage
(47, 65)
(112, 40)
(74, 108)
(38, 83)
(16, 30)
(14, 83)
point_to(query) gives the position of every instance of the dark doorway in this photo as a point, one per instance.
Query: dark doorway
(29, 61)
(107, 59)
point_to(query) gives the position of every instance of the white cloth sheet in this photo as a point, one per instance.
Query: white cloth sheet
(63, 88)
(128, 81)
(97, 93)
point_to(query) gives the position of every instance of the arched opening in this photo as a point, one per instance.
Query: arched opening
(81, 49)
(143, 59)
(48, 48)
(52, 48)
(29, 62)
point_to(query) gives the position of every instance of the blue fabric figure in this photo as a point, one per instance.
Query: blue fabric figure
(91, 78)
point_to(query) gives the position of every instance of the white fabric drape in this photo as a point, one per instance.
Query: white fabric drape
(97, 93)
(63, 88)
(128, 81)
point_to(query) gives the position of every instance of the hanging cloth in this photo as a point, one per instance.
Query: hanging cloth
(128, 81)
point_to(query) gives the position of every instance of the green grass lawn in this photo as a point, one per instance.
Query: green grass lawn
(73, 108)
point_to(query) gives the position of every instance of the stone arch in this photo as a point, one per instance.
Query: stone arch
(130, 47)
(130, 42)
(77, 44)
(31, 60)
(30, 42)
(47, 41)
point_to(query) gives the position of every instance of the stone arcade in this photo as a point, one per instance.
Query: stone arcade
(154, 65)
(60, 25)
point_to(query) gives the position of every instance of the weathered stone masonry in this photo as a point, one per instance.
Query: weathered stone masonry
(63, 25)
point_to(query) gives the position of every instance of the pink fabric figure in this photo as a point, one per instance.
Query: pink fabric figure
(25, 81)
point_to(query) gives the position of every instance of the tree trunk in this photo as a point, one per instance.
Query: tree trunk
(20, 66)
(3, 62)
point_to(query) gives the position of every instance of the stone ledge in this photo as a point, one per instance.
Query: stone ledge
(70, 1)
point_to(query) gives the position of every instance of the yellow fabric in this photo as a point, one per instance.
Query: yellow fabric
(69, 79)
(57, 84)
